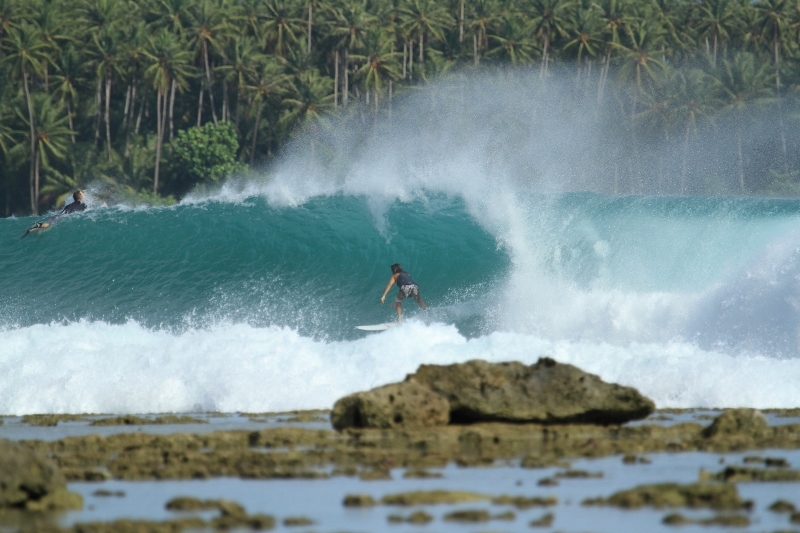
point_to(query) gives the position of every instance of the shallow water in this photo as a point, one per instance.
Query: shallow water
(321, 500)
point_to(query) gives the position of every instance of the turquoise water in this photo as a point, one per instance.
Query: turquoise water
(319, 268)
(247, 299)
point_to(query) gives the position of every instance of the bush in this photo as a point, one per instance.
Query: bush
(206, 154)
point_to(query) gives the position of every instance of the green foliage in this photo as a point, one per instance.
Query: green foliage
(207, 154)
(97, 89)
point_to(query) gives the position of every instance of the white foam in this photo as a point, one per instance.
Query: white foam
(94, 367)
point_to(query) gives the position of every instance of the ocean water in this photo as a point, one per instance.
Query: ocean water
(246, 298)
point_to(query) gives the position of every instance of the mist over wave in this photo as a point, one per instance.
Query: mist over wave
(246, 298)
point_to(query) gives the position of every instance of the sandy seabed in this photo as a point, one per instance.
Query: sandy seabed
(292, 472)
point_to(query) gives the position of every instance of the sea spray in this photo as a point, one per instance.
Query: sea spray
(246, 298)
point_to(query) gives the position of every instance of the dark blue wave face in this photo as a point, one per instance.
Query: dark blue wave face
(319, 268)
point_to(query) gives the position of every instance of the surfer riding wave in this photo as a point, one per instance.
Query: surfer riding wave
(406, 288)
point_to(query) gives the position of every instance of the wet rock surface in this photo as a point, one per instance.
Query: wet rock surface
(695, 496)
(546, 392)
(397, 405)
(291, 452)
(288, 452)
(30, 481)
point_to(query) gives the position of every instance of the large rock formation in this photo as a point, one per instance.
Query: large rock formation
(28, 481)
(406, 404)
(545, 392)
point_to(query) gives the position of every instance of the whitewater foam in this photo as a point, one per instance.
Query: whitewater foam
(95, 367)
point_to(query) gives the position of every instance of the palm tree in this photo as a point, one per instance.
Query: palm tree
(69, 75)
(170, 67)
(50, 135)
(174, 15)
(309, 102)
(694, 98)
(548, 19)
(420, 18)
(743, 85)
(640, 50)
(243, 57)
(11, 14)
(481, 20)
(106, 55)
(207, 26)
(718, 20)
(585, 35)
(50, 19)
(26, 55)
(773, 17)
(513, 43)
(615, 18)
(283, 24)
(269, 87)
(348, 28)
(380, 63)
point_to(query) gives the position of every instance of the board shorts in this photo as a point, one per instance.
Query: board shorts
(405, 292)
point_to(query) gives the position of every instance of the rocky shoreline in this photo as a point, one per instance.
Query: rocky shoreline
(410, 426)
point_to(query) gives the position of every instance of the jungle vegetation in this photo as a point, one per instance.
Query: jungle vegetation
(102, 89)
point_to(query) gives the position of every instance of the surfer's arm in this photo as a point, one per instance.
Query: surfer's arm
(388, 287)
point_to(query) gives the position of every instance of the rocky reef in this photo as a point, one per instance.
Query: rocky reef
(546, 392)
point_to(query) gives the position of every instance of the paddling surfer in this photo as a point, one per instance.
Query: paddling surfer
(75, 207)
(406, 287)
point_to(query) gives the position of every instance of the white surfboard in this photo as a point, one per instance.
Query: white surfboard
(378, 327)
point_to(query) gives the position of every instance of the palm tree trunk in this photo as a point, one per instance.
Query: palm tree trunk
(739, 152)
(475, 49)
(108, 116)
(543, 69)
(461, 24)
(310, 16)
(405, 52)
(71, 124)
(200, 104)
(224, 101)
(142, 107)
(346, 87)
(159, 137)
(36, 174)
(601, 85)
(32, 124)
(172, 108)
(97, 113)
(336, 78)
(208, 86)
(685, 158)
(255, 133)
(410, 59)
(715, 50)
(127, 107)
(421, 48)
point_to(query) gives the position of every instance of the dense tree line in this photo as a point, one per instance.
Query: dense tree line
(99, 89)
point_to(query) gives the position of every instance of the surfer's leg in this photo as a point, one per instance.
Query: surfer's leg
(399, 307)
(417, 297)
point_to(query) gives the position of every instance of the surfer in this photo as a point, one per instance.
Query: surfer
(75, 207)
(406, 287)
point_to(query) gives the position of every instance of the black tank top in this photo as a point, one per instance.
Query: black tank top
(404, 278)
